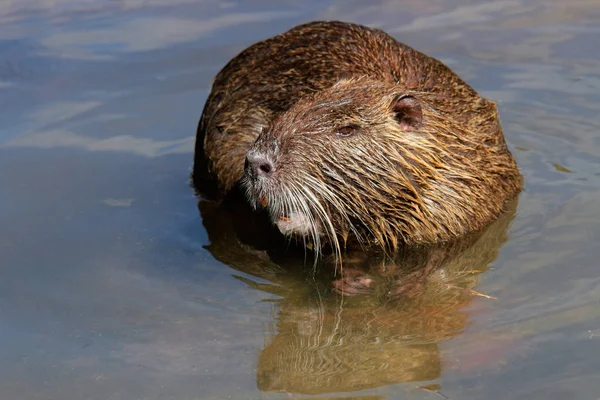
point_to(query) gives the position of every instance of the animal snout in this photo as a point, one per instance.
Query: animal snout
(258, 164)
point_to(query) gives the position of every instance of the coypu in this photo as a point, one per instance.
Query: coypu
(343, 133)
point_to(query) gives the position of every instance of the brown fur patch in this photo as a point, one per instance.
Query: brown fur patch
(371, 140)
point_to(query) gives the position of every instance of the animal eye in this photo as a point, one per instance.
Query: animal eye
(220, 128)
(346, 130)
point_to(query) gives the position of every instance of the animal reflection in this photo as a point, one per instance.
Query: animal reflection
(376, 322)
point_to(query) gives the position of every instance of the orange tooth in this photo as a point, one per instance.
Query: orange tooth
(263, 201)
(284, 219)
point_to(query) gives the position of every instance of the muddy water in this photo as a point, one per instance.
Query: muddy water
(117, 284)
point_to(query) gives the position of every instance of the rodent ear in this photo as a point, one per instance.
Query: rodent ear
(408, 112)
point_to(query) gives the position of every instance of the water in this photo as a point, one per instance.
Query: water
(116, 285)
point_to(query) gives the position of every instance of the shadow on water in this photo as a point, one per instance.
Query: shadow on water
(378, 323)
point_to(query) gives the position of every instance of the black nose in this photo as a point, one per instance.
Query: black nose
(258, 164)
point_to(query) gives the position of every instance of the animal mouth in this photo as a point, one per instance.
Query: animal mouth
(291, 207)
(289, 222)
(294, 224)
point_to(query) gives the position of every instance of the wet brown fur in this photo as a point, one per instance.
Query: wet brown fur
(392, 181)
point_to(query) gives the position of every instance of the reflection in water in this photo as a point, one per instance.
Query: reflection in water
(123, 143)
(386, 331)
(351, 398)
(143, 34)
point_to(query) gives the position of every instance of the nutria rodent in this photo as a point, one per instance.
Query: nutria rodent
(342, 132)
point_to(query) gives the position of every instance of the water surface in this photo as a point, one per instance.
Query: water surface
(117, 284)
